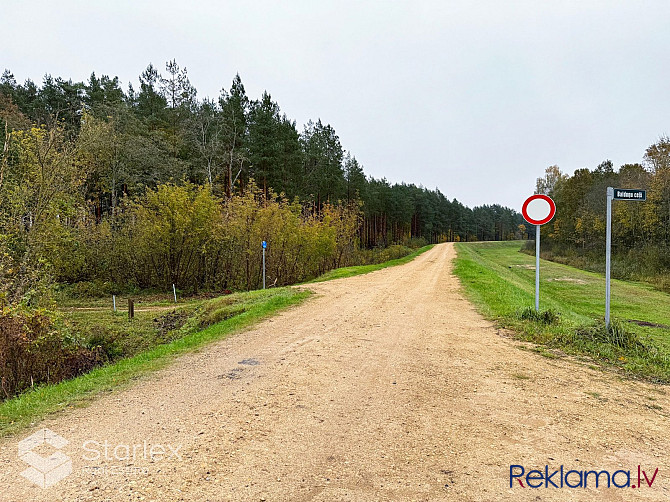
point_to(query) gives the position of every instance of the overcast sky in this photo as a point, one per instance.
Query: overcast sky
(474, 98)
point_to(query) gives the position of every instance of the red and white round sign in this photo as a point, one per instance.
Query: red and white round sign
(538, 209)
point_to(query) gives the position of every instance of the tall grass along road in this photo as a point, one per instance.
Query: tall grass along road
(384, 386)
(501, 281)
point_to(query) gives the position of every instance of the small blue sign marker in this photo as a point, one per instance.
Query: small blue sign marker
(264, 245)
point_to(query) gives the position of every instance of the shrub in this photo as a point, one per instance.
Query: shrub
(380, 255)
(185, 235)
(90, 289)
(548, 316)
(616, 334)
(103, 341)
(34, 351)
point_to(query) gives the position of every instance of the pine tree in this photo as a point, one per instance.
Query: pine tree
(234, 109)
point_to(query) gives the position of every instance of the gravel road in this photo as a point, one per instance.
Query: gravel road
(385, 386)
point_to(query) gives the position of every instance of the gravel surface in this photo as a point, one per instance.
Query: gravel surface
(385, 386)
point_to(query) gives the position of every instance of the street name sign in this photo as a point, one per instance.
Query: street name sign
(629, 194)
(615, 194)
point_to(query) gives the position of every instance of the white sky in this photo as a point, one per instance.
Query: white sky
(475, 98)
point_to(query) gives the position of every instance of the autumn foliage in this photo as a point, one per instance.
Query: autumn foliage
(185, 235)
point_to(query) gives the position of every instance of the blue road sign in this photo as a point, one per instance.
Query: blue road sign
(264, 244)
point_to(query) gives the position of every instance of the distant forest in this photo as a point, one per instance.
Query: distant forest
(640, 230)
(83, 163)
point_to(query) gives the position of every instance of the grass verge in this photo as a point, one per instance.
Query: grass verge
(501, 282)
(340, 273)
(19, 412)
(220, 317)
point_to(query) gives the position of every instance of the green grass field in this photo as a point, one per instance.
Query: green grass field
(501, 282)
(97, 324)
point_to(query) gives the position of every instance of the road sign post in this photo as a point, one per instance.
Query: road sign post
(615, 194)
(264, 245)
(537, 268)
(608, 254)
(538, 210)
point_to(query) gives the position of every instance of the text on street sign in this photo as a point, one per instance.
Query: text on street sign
(629, 194)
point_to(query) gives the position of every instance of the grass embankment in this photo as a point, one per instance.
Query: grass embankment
(159, 332)
(340, 273)
(647, 263)
(159, 320)
(156, 321)
(229, 313)
(501, 282)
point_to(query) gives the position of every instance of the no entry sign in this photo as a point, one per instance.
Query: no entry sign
(538, 209)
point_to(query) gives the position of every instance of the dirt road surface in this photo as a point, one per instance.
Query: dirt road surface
(386, 386)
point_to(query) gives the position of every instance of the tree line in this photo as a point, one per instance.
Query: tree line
(83, 163)
(640, 230)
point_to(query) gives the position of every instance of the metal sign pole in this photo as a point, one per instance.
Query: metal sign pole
(538, 210)
(608, 255)
(263, 268)
(537, 268)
